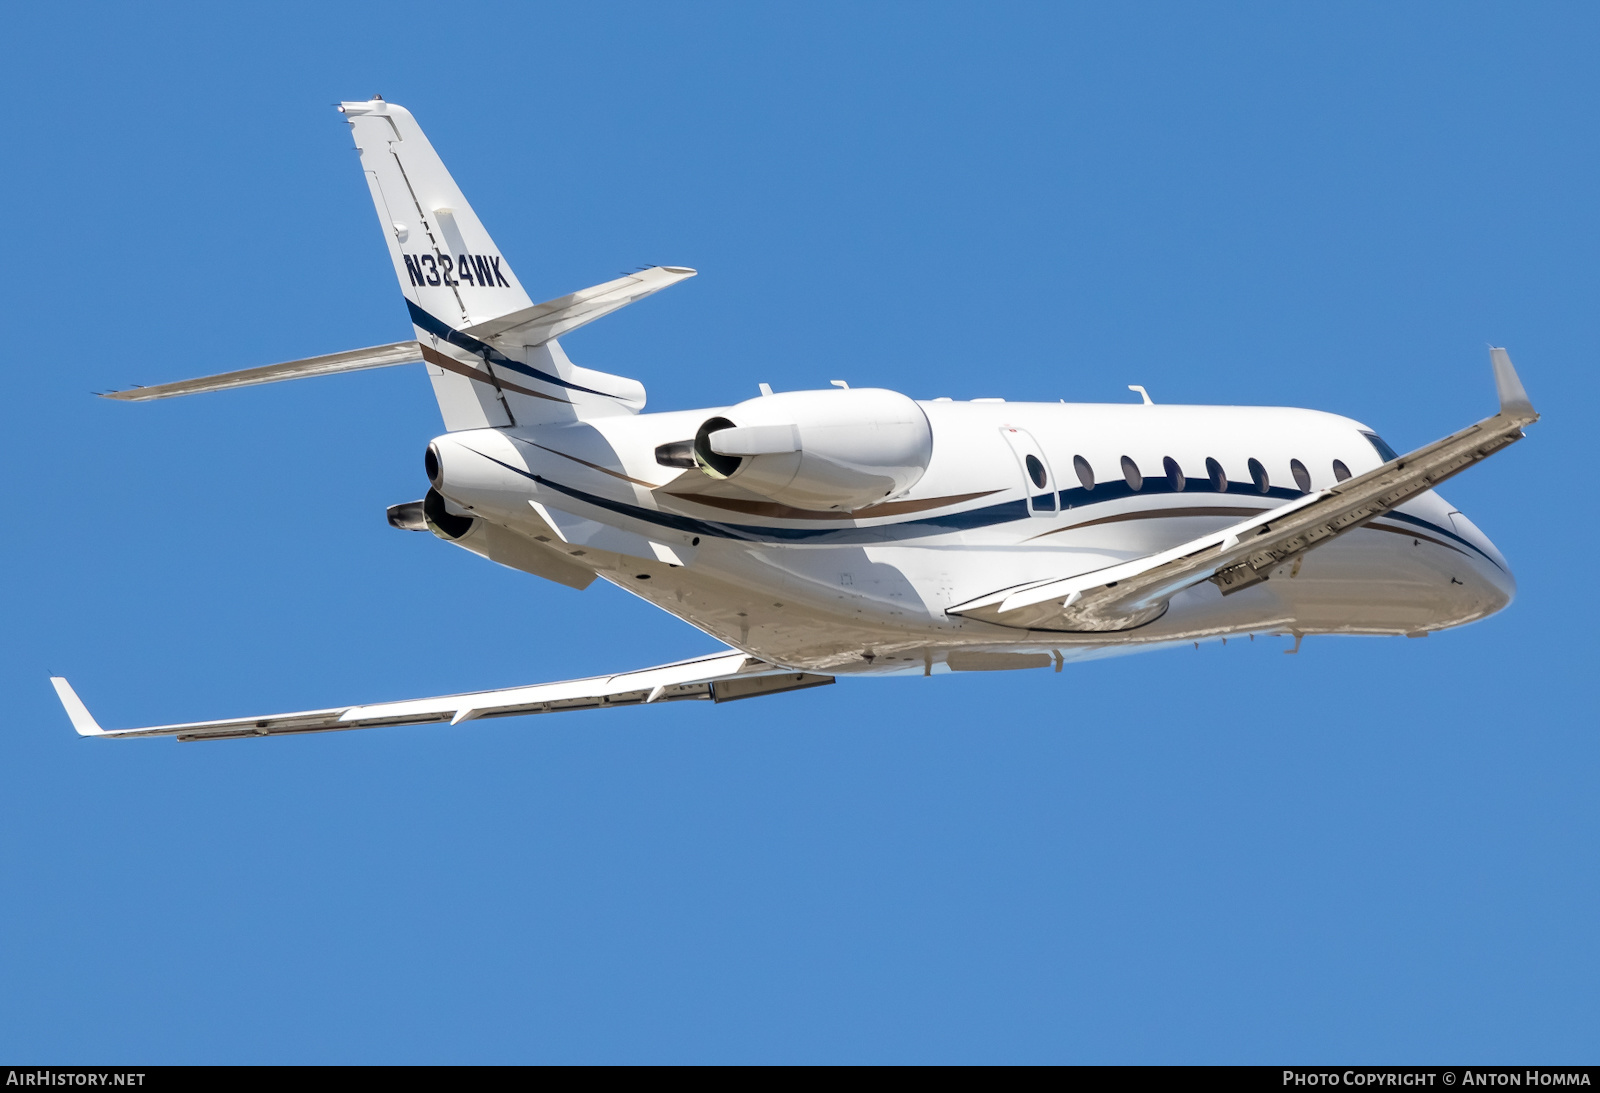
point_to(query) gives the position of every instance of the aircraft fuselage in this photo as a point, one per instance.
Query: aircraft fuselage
(869, 590)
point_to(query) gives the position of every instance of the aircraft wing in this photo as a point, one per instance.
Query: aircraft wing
(1135, 592)
(353, 360)
(721, 677)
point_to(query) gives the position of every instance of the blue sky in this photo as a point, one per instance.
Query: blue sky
(1379, 850)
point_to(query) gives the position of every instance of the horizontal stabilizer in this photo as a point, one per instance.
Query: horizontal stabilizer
(722, 677)
(538, 324)
(354, 360)
(1133, 593)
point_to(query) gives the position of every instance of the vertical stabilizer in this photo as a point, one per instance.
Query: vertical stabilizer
(455, 279)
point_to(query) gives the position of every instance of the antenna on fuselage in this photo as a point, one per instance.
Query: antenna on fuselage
(1148, 401)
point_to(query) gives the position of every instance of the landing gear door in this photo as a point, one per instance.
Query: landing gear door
(1037, 480)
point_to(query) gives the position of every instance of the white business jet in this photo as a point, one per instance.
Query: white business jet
(860, 531)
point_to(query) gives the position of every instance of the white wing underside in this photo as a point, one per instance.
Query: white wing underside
(721, 677)
(1133, 593)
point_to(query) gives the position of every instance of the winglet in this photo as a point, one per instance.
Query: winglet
(82, 720)
(1513, 399)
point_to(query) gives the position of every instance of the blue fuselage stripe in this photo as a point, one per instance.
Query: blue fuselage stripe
(1446, 532)
(989, 515)
(440, 329)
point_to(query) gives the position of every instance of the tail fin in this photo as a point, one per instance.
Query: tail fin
(457, 285)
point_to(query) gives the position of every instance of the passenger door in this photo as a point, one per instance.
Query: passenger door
(1037, 480)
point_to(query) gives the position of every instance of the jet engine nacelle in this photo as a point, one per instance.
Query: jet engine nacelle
(821, 450)
(472, 476)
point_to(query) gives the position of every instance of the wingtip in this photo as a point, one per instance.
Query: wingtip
(77, 712)
(1513, 397)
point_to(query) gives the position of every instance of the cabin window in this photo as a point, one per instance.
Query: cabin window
(1302, 477)
(1389, 454)
(1219, 480)
(1340, 471)
(1130, 474)
(1036, 472)
(1174, 474)
(1258, 475)
(1085, 472)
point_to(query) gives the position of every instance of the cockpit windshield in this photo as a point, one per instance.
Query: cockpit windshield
(1389, 454)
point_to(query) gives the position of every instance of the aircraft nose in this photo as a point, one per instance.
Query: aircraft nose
(1490, 565)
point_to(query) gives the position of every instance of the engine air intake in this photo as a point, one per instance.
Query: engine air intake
(824, 451)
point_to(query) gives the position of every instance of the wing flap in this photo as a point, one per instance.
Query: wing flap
(1133, 593)
(353, 360)
(720, 677)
